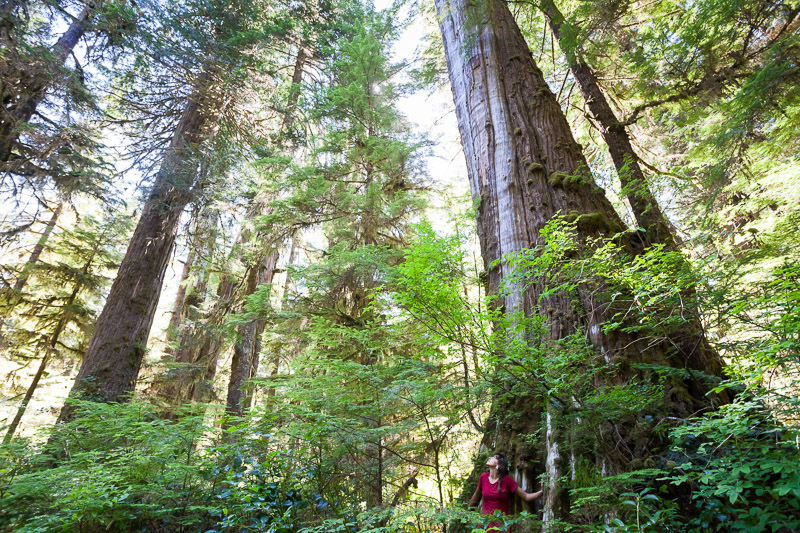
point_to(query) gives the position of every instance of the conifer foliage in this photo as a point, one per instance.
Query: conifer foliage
(225, 252)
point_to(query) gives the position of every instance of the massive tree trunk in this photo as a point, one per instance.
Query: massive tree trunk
(114, 356)
(645, 207)
(22, 96)
(524, 168)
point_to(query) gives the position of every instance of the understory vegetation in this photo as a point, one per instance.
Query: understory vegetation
(244, 288)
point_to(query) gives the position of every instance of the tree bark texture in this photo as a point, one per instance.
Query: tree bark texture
(525, 168)
(111, 365)
(644, 205)
(245, 350)
(22, 94)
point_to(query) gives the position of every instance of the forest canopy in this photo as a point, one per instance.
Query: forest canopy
(331, 265)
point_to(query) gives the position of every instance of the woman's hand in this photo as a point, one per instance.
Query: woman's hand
(528, 497)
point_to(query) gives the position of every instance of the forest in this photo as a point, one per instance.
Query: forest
(319, 265)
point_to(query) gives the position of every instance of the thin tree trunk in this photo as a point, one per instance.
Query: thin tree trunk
(51, 346)
(23, 101)
(39, 373)
(276, 356)
(525, 167)
(198, 350)
(244, 351)
(111, 365)
(645, 207)
(180, 297)
(38, 249)
(250, 392)
(209, 354)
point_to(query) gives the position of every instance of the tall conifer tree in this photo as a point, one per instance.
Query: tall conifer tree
(114, 357)
(525, 167)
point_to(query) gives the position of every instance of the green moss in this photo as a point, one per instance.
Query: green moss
(597, 222)
(535, 167)
(592, 222)
(557, 178)
(574, 181)
(530, 182)
(614, 227)
(544, 90)
(572, 216)
(518, 132)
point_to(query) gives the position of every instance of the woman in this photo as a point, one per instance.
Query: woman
(496, 488)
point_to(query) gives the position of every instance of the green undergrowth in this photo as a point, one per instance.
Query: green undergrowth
(119, 467)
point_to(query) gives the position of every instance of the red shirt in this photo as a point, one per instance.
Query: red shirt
(494, 499)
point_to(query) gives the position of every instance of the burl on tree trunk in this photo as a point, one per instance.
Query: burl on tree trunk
(524, 168)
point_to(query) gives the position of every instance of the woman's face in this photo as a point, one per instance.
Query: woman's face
(492, 462)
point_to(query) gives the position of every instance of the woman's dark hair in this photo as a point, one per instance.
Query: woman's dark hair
(502, 469)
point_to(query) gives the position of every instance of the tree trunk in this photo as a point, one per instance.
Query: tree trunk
(245, 349)
(38, 249)
(524, 168)
(180, 297)
(51, 346)
(111, 365)
(191, 378)
(21, 102)
(39, 373)
(276, 353)
(645, 207)
(199, 351)
(16, 297)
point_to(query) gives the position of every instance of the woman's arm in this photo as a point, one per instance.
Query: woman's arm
(528, 497)
(476, 498)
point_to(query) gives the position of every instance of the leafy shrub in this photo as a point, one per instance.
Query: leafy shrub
(119, 467)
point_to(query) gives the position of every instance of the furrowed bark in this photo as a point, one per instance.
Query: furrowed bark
(525, 168)
(111, 365)
(644, 205)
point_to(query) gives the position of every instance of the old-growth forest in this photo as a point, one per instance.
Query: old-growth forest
(309, 265)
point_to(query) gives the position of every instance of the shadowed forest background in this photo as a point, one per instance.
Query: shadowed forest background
(303, 265)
